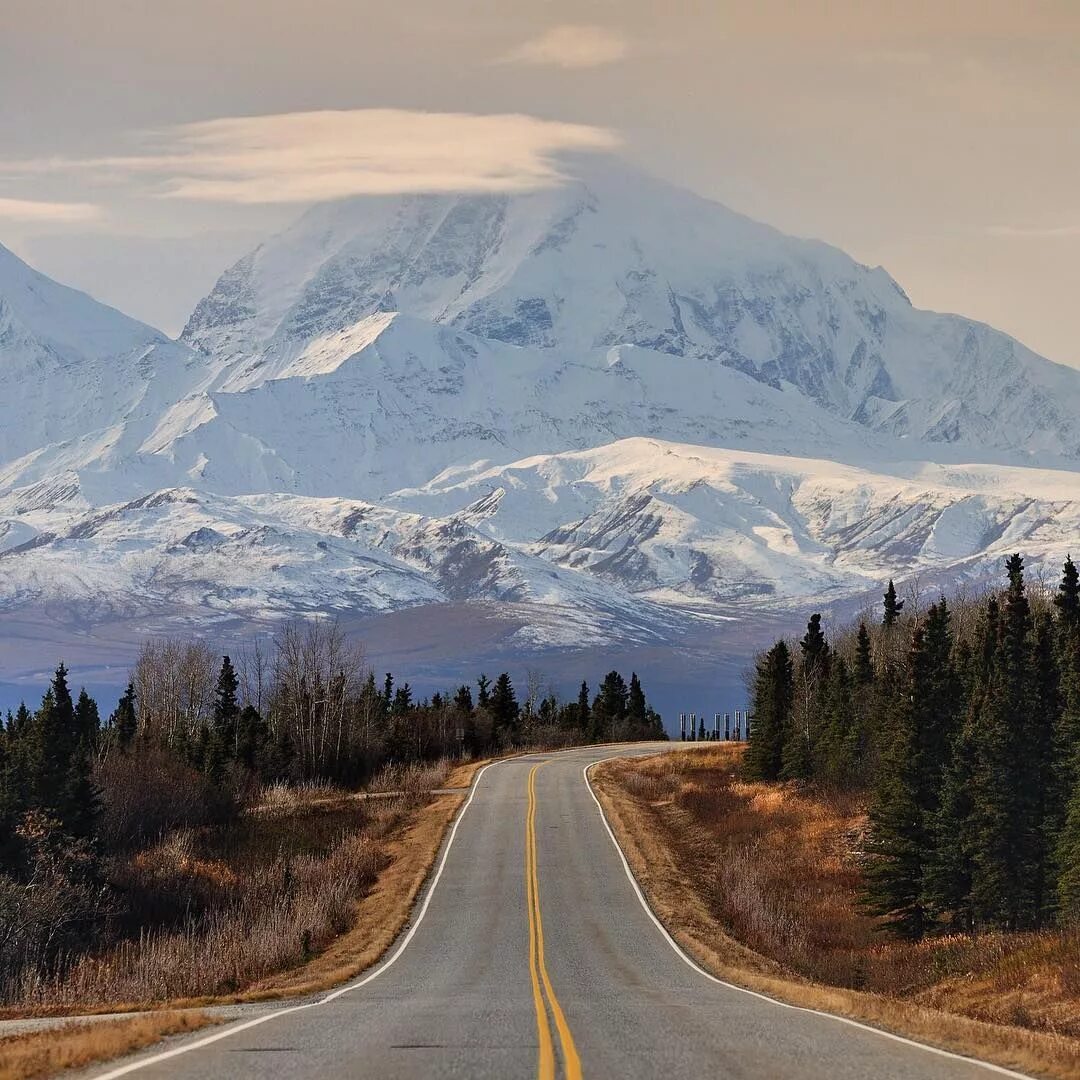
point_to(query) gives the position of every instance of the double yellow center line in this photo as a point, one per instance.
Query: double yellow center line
(537, 967)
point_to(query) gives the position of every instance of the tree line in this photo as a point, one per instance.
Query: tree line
(195, 735)
(962, 724)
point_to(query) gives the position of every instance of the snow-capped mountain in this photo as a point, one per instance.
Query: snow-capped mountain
(638, 527)
(609, 407)
(75, 372)
(615, 259)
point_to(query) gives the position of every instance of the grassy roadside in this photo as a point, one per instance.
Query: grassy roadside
(758, 884)
(408, 853)
(77, 1045)
(397, 842)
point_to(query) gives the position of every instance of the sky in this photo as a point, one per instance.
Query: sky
(147, 144)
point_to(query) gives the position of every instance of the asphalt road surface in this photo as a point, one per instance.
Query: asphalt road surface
(532, 955)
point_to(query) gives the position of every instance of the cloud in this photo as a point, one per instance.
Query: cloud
(570, 46)
(314, 156)
(1037, 232)
(37, 212)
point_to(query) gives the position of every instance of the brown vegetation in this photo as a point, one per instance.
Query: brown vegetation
(760, 883)
(315, 888)
(43, 1053)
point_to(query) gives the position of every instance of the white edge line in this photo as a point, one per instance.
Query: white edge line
(999, 1069)
(276, 1014)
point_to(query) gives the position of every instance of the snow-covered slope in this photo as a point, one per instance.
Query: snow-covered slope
(618, 258)
(73, 371)
(631, 534)
(608, 406)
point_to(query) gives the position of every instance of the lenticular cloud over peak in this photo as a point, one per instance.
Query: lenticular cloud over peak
(306, 157)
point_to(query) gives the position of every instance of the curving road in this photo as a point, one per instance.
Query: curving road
(532, 955)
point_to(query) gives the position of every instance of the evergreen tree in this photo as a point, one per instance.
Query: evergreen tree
(465, 719)
(213, 756)
(87, 719)
(504, 706)
(837, 750)
(774, 691)
(1068, 862)
(48, 748)
(636, 706)
(403, 701)
(251, 739)
(609, 707)
(951, 867)
(899, 830)
(892, 607)
(1067, 600)
(1044, 797)
(56, 762)
(280, 755)
(227, 708)
(483, 695)
(809, 704)
(864, 660)
(10, 796)
(815, 649)
(1004, 886)
(583, 710)
(124, 722)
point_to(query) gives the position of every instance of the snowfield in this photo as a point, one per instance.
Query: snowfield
(606, 406)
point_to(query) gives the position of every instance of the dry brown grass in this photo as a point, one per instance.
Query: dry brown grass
(76, 1045)
(760, 884)
(299, 900)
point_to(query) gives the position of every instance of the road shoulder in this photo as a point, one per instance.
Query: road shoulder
(643, 835)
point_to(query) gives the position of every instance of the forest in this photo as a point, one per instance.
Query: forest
(156, 830)
(960, 721)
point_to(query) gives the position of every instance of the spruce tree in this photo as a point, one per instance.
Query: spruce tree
(583, 711)
(635, 703)
(48, 748)
(227, 708)
(954, 828)
(251, 739)
(609, 708)
(87, 719)
(892, 607)
(837, 750)
(1005, 876)
(811, 677)
(1067, 862)
(1044, 797)
(864, 659)
(815, 649)
(772, 701)
(403, 701)
(504, 706)
(899, 831)
(1067, 599)
(124, 723)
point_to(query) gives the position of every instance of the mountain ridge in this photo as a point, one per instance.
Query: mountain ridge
(614, 405)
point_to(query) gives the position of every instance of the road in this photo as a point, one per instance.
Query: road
(532, 955)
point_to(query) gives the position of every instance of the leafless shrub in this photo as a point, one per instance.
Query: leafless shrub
(412, 778)
(146, 793)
